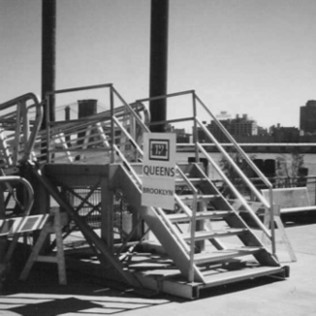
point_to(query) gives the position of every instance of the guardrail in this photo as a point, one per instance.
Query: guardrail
(199, 109)
(91, 139)
(20, 121)
(24, 205)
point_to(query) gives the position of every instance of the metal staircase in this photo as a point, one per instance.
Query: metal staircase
(204, 236)
(195, 235)
(203, 242)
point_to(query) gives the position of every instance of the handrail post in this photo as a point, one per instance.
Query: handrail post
(192, 241)
(273, 245)
(193, 224)
(48, 128)
(25, 127)
(235, 191)
(29, 190)
(112, 124)
(195, 133)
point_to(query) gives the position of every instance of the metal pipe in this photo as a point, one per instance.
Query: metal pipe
(8, 180)
(48, 56)
(158, 61)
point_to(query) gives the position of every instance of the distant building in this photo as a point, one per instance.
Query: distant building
(181, 135)
(263, 132)
(308, 117)
(285, 134)
(246, 130)
(239, 127)
(242, 126)
(223, 115)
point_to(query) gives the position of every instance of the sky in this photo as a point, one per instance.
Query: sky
(250, 57)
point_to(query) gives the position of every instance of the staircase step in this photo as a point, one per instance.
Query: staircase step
(214, 279)
(180, 181)
(202, 235)
(224, 255)
(182, 217)
(190, 197)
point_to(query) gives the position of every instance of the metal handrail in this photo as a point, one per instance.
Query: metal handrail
(193, 223)
(62, 91)
(236, 145)
(113, 117)
(8, 180)
(130, 138)
(127, 164)
(269, 205)
(139, 184)
(196, 101)
(222, 128)
(169, 95)
(178, 200)
(232, 163)
(23, 138)
(235, 191)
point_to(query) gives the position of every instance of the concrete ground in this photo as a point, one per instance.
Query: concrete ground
(84, 295)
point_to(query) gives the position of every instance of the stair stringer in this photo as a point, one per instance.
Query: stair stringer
(166, 234)
(234, 220)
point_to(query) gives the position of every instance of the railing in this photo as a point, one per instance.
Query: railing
(91, 139)
(199, 107)
(20, 121)
(193, 225)
(242, 176)
(24, 205)
(137, 180)
(245, 179)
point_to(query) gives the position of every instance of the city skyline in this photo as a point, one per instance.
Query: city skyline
(225, 115)
(254, 57)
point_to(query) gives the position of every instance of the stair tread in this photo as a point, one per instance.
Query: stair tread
(200, 235)
(225, 254)
(191, 179)
(239, 275)
(199, 196)
(200, 215)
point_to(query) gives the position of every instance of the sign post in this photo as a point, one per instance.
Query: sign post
(159, 170)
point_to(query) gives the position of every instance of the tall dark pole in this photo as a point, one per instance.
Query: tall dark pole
(158, 61)
(48, 56)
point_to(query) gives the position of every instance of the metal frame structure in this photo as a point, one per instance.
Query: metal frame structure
(103, 153)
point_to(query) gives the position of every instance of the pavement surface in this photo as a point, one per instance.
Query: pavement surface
(87, 295)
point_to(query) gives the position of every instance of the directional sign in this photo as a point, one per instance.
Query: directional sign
(159, 149)
(159, 170)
